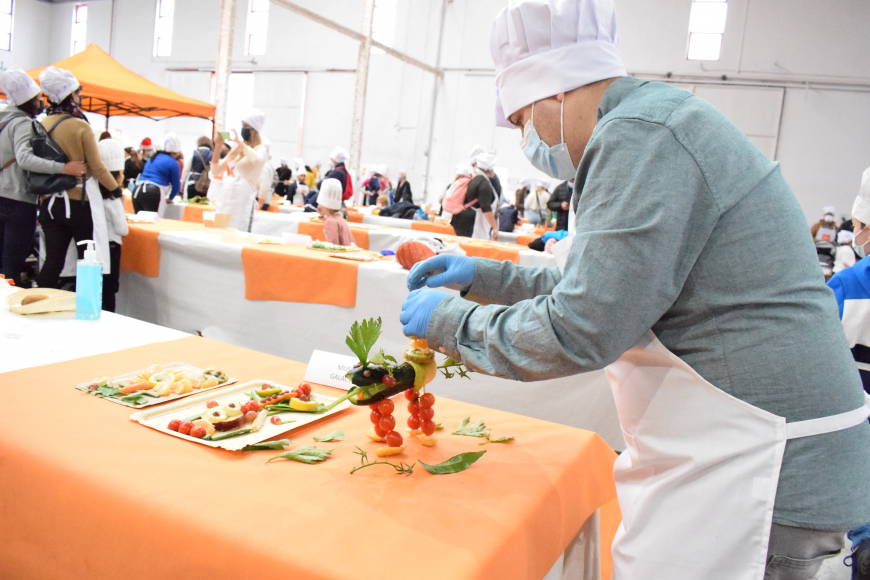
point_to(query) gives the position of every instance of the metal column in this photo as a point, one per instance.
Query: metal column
(224, 62)
(359, 97)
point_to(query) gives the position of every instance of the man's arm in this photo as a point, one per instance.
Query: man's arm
(642, 223)
(21, 134)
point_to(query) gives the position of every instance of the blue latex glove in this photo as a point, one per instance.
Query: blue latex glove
(449, 270)
(418, 309)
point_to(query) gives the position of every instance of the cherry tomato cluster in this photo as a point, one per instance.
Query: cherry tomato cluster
(302, 392)
(187, 428)
(422, 413)
(384, 422)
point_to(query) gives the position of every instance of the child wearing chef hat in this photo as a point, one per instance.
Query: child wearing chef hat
(112, 154)
(329, 206)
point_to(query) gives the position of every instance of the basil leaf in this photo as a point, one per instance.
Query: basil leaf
(304, 455)
(269, 445)
(499, 440)
(476, 430)
(455, 464)
(334, 436)
(106, 391)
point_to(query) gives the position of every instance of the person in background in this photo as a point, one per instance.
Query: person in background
(239, 191)
(845, 225)
(508, 217)
(76, 213)
(339, 157)
(17, 206)
(478, 220)
(373, 188)
(146, 149)
(382, 202)
(105, 135)
(825, 230)
(535, 207)
(285, 175)
(311, 176)
(132, 166)
(298, 188)
(160, 179)
(268, 179)
(329, 206)
(845, 256)
(476, 152)
(520, 198)
(403, 189)
(112, 154)
(195, 165)
(851, 288)
(559, 203)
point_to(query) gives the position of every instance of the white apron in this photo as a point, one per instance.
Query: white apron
(165, 191)
(100, 232)
(697, 482)
(237, 198)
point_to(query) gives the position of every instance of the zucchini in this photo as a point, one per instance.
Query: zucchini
(374, 389)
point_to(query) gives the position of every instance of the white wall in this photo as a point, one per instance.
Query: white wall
(822, 140)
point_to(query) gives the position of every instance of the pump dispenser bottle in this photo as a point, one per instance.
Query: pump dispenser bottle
(89, 284)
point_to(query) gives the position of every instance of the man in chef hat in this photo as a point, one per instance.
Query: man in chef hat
(825, 230)
(747, 441)
(339, 157)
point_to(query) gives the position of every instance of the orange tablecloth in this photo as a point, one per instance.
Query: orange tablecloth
(422, 226)
(525, 240)
(141, 249)
(493, 250)
(128, 203)
(355, 217)
(193, 212)
(298, 274)
(315, 230)
(87, 493)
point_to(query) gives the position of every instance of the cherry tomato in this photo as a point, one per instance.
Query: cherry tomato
(211, 404)
(380, 432)
(297, 392)
(305, 388)
(388, 423)
(250, 416)
(426, 413)
(414, 407)
(427, 400)
(375, 415)
(414, 422)
(185, 427)
(410, 394)
(386, 407)
(174, 425)
(276, 420)
(197, 432)
(394, 439)
(428, 427)
(388, 381)
(304, 397)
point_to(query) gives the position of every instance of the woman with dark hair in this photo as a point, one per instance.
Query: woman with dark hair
(161, 178)
(71, 214)
(195, 165)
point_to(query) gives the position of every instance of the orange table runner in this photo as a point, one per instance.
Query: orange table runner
(494, 251)
(87, 493)
(422, 226)
(355, 217)
(141, 248)
(128, 203)
(193, 212)
(315, 230)
(525, 240)
(298, 274)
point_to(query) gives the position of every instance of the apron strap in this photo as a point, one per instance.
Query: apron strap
(830, 424)
(65, 202)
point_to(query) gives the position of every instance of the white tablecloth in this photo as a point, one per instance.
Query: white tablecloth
(201, 288)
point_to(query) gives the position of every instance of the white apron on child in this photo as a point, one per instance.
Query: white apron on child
(100, 232)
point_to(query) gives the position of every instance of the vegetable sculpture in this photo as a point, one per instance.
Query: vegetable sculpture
(378, 379)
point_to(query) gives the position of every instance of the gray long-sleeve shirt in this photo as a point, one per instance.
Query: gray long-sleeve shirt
(685, 228)
(15, 142)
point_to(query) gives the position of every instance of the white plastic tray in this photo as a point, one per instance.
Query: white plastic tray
(175, 366)
(159, 418)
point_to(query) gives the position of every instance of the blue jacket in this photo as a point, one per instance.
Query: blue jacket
(852, 290)
(162, 169)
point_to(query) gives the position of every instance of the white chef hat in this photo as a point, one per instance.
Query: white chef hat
(256, 119)
(462, 169)
(545, 47)
(339, 155)
(861, 208)
(829, 209)
(298, 164)
(382, 169)
(330, 194)
(485, 161)
(57, 83)
(19, 87)
(845, 237)
(475, 151)
(172, 144)
(112, 154)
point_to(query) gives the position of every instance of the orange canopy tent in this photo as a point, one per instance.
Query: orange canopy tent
(110, 89)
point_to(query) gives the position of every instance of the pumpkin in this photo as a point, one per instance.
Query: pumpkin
(410, 253)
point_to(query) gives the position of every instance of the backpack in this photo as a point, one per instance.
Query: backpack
(46, 147)
(454, 199)
(348, 185)
(204, 181)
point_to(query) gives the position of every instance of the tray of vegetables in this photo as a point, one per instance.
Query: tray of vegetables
(157, 384)
(241, 415)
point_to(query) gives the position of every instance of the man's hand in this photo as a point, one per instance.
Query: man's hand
(564, 206)
(494, 235)
(417, 311)
(75, 168)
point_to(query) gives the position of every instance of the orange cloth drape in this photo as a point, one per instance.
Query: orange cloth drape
(128, 203)
(493, 251)
(422, 226)
(315, 230)
(354, 217)
(141, 252)
(525, 240)
(88, 493)
(193, 212)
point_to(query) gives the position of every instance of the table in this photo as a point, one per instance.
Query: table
(201, 289)
(180, 509)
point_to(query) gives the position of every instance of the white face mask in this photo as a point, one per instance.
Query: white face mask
(860, 249)
(554, 161)
(828, 218)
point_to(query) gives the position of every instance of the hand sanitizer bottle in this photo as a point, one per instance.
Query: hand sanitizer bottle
(89, 284)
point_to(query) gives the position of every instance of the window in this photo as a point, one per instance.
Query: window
(5, 24)
(78, 35)
(258, 24)
(384, 23)
(240, 98)
(163, 27)
(706, 27)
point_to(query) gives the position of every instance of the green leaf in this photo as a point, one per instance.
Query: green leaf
(134, 399)
(363, 337)
(304, 455)
(392, 359)
(439, 426)
(501, 440)
(476, 430)
(107, 391)
(455, 464)
(269, 445)
(334, 436)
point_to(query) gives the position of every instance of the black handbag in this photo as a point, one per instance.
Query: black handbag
(44, 146)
